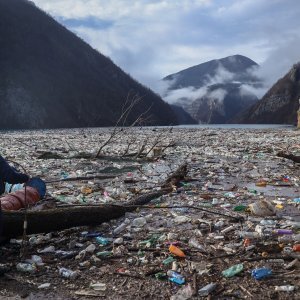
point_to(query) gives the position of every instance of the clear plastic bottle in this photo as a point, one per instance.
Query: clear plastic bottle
(206, 290)
(228, 229)
(249, 234)
(184, 293)
(26, 267)
(194, 243)
(268, 222)
(294, 224)
(284, 288)
(66, 273)
(121, 227)
(289, 238)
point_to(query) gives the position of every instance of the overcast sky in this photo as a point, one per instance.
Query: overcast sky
(150, 39)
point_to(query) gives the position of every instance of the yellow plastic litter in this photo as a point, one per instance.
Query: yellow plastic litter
(86, 190)
(261, 183)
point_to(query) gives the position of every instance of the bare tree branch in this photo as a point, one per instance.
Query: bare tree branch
(126, 110)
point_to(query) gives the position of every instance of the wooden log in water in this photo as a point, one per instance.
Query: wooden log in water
(294, 158)
(72, 216)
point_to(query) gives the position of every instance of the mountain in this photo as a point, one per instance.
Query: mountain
(279, 105)
(50, 78)
(215, 91)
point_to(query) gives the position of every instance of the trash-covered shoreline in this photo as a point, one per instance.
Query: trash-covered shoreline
(229, 230)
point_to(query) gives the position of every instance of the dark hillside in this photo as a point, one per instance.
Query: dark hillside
(50, 78)
(279, 105)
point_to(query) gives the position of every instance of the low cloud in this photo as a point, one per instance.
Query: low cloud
(222, 76)
(280, 60)
(188, 95)
(218, 95)
(246, 90)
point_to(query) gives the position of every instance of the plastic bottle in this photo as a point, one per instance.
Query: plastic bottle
(122, 227)
(249, 234)
(296, 248)
(240, 208)
(276, 261)
(91, 234)
(261, 273)
(293, 224)
(289, 238)
(184, 293)
(292, 264)
(233, 270)
(219, 224)
(10, 188)
(176, 251)
(283, 231)
(175, 277)
(66, 273)
(168, 260)
(248, 248)
(206, 290)
(268, 222)
(98, 286)
(194, 243)
(247, 242)
(284, 288)
(228, 229)
(102, 241)
(104, 253)
(174, 265)
(139, 222)
(26, 267)
(37, 260)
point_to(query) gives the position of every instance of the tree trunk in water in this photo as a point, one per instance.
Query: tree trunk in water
(292, 157)
(73, 216)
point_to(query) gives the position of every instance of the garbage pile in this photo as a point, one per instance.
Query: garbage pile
(229, 230)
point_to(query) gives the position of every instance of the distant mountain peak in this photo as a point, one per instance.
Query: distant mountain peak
(214, 91)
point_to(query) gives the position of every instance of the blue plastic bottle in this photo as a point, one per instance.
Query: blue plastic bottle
(176, 277)
(261, 273)
(102, 241)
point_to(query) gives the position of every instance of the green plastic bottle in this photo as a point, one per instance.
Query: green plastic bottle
(236, 269)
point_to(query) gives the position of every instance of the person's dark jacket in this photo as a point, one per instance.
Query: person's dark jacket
(10, 175)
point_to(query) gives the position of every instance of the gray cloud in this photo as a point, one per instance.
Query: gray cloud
(151, 39)
(187, 95)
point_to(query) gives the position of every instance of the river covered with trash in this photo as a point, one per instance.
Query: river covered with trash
(229, 230)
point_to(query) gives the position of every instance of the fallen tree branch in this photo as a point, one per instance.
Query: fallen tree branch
(103, 176)
(294, 158)
(73, 216)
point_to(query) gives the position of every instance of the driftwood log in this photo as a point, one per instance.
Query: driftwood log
(294, 158)
(72, 216)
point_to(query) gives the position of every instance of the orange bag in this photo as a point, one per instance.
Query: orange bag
(16, 200)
